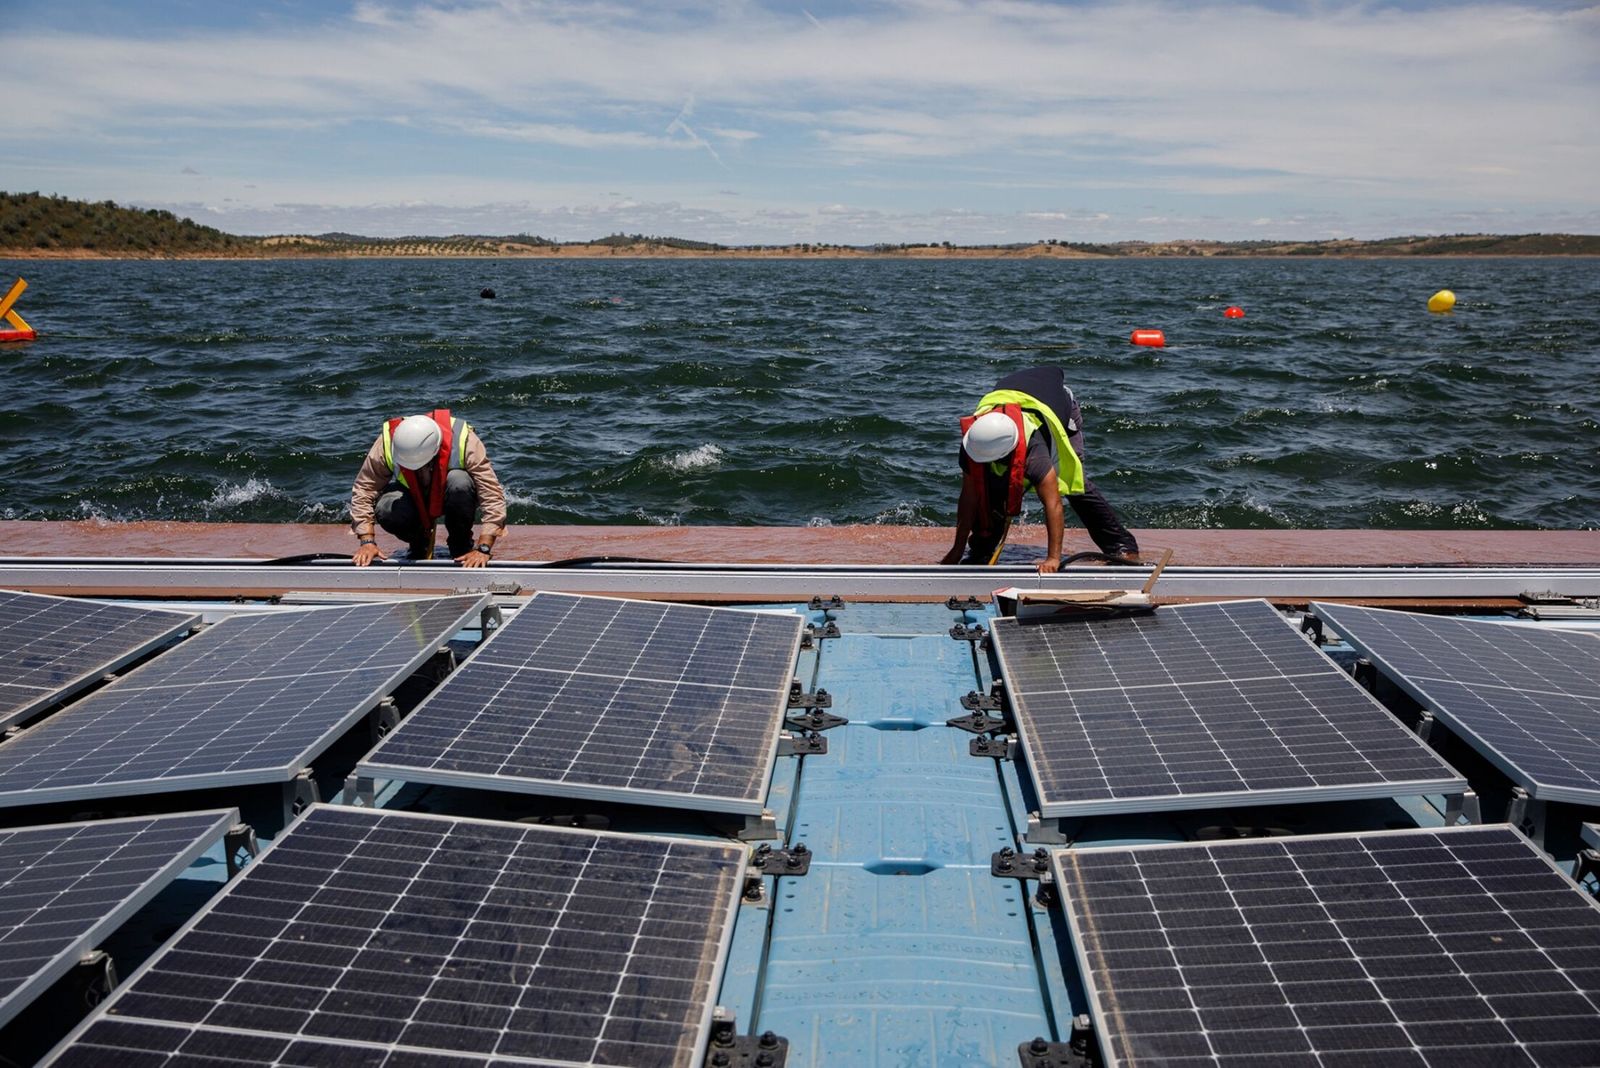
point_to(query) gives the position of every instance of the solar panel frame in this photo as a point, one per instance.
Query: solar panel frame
(1453, 717)
(63, 961)
(1447, 782)
(127, 654)
(38, 794)
(1104, 1018)
(375, 766)
(725, 914)
(1591, 834)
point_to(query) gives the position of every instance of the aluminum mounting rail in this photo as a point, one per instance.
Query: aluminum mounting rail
(255, 578)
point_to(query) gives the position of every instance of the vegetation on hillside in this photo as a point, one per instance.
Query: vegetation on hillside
(52, 225)
(32, 221)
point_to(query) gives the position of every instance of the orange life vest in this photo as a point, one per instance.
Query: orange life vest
(452, 456)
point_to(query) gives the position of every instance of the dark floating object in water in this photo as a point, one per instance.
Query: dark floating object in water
(486, 293)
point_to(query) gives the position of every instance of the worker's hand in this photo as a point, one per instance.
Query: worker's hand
(365, 554)
(1050, 565)
(952, 557)
(473, 559)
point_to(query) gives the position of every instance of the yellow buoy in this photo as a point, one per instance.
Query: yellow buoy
(1442, 301)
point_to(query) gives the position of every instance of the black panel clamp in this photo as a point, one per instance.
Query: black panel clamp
(1311, 625)
(816, 632)
(997, 746)
(1078, 1052)
(814, 720)
(969, 632)
(1009, 864)
(826, 604)
(798, 698)
(796, 860)
(963, 604)
(978, 706)
(729, 1049)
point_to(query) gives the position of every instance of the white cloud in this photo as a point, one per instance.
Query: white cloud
(1293, 110)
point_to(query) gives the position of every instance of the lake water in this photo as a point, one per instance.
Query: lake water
(796, 392)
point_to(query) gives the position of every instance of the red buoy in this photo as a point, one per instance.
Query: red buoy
(17, 335)
(1155, 339)
(1233, 312)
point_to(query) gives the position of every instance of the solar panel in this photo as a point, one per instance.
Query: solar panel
(1527, 698)
(609, 699)
(1441, 947)
(65, 887)
(363, 935)
(52, 647)
(1198, 706)
(251, 699)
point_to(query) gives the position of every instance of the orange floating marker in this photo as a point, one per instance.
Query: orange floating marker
(22, 331)
(1154, 339)
(1233, 311)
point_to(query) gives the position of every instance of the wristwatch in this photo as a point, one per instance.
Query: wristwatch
(486, 548)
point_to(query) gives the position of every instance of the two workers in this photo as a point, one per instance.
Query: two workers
(1027, 432)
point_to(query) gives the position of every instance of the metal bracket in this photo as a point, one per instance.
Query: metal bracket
(805, 743)
(963, 604)
(968, 632)
(1365, 672)
(826, 604)
(1311, 626)
(1043, 831)
(241, 838)
(95, 977)
(359, 790)
(814, 721)
(1526, 815)
(998, 746)
(993, 701)
(1077, 1052)
(729, 1049)
(1424, 724)
(1009, 864)
(383, 718)
(1588, 863)
(977, 723)
(814, 633)
(798, 698)
(501, 588)
(796, 860)
(1464, 804)
(299, 794)
(764, 825)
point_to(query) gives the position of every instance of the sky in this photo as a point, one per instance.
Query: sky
(760, 123)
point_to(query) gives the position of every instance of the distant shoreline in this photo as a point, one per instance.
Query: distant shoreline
(605, 252)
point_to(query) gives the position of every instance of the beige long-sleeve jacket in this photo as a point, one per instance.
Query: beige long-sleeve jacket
(375, 474)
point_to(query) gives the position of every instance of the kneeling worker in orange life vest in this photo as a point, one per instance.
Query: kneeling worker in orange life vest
(423, 468)
(1027, 431)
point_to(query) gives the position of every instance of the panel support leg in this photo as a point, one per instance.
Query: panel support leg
(1043, 832)
(759, 827)
(383, 719)
(299, 794)
(359, 790)
(1462, 806)
(1527, 815)
(95, 977)
(240, 840)
(1425, 725)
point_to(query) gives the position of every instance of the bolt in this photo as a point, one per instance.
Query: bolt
(764, 1060)
(752, 891)
(800, 848)
(769, 1040)
(763, 850)
(720, 1059)
(1039, 1046)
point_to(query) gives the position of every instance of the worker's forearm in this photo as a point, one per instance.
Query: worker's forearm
(1055, 525)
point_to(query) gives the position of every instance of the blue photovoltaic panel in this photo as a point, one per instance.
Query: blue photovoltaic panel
(52, 647)
(252, 699)
(1526, 697)
(1415, 949)
(65, 887)
(1198, 706)
(610, 699)
(380, 938)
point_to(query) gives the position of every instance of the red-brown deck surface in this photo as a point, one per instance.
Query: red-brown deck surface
(818, 545)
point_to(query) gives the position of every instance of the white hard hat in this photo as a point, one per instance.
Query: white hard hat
(991, 437)
(416, 442)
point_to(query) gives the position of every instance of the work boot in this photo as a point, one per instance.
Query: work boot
(419, 552)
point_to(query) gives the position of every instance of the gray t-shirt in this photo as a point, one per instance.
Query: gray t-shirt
(1041, 460)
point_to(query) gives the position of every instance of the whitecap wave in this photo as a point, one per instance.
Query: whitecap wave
(233, 494)
(701, 456)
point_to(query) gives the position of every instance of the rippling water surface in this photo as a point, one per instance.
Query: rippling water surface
(785, 392)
